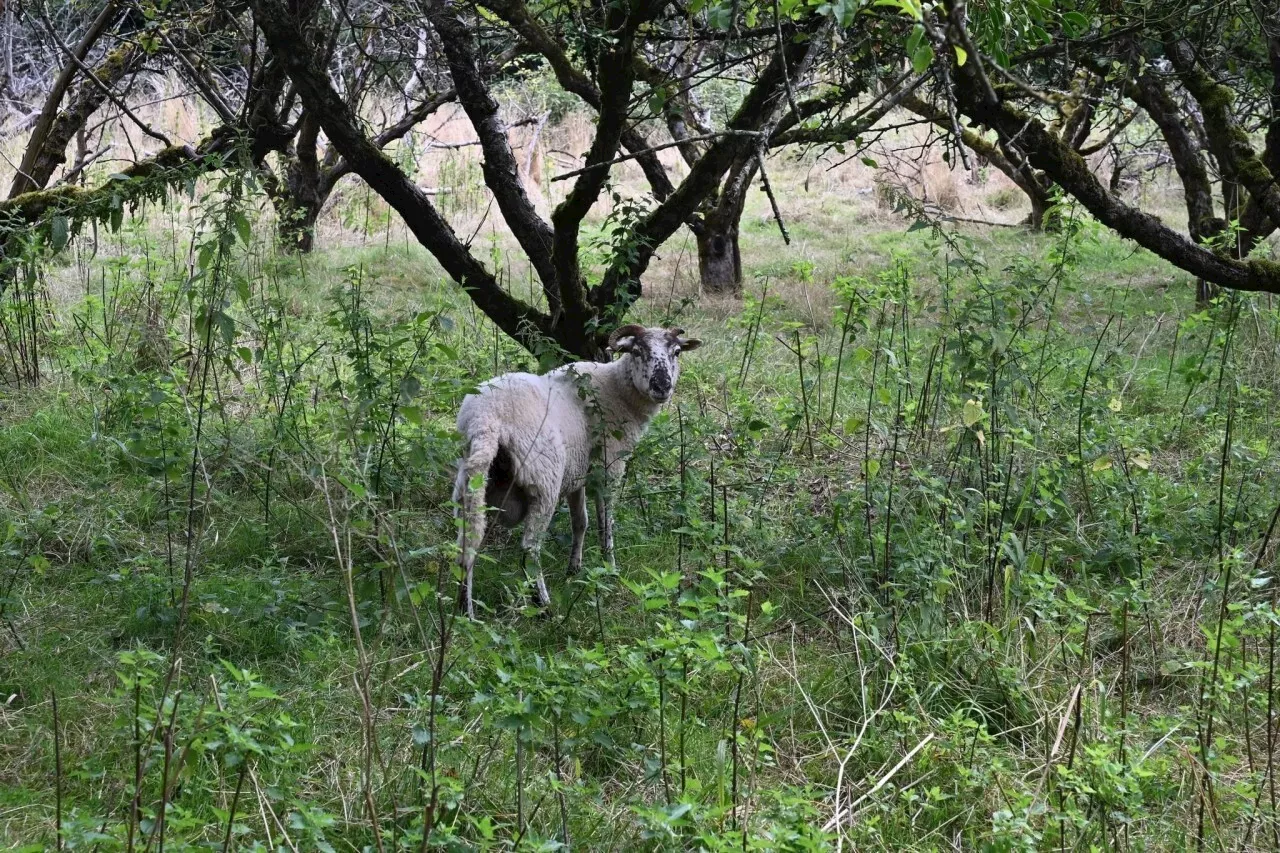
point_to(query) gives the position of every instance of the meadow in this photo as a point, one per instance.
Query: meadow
(954, 537)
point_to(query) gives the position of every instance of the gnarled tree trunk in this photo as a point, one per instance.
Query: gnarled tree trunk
(300, 197)
(716, 231)
(719, 260)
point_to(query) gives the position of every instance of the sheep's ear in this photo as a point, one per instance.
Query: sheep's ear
(623, 338)
(691, 344)
(625, 343)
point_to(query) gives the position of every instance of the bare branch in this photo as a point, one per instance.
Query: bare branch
(501, 172)
(105, 89)
(24, 179)
(707, 137)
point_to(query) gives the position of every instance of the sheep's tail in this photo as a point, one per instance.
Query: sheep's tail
(468, 496)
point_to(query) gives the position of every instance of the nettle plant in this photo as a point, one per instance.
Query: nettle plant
(189, 762)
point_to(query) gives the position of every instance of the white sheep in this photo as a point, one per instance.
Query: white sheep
(531, 441)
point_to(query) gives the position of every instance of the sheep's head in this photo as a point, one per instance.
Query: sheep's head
(651, 355)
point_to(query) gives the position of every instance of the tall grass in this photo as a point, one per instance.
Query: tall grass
(952, 538)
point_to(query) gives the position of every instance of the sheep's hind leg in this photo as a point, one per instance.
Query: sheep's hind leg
(535, 528)
(578, 519)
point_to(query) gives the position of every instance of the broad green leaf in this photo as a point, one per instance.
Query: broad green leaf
(972, 413)
(59, 232)
(962, 55)
(242, 227)
(1074, 24)
(922, 58)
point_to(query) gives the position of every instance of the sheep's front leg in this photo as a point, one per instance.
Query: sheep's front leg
(604, 524)
(578, 520)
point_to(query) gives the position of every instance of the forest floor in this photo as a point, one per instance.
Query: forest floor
(955, 536)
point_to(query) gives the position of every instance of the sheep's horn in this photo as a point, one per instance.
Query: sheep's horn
(629, 330)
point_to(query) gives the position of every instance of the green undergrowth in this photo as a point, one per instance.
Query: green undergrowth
(961, 540)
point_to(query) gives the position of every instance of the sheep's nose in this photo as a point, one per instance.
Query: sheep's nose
(661, 384)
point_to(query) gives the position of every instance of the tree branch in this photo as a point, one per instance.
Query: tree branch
(617, 76)
(501, 171)
(26, 177)
(621, 282)
(517, 16)
(1070, 171)
(105, 89)
(518, 319)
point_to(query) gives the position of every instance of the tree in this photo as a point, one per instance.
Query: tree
(379, 55)
(578, 312)
(97, 77)
(987, 89)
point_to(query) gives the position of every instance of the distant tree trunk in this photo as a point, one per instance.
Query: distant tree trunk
(717, 231)
(299, 199)
(1149, 92)
(1032, 182)
(719, 259)
(309, 179)
(1039, 207)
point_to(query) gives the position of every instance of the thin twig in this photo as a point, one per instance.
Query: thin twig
(768, 191)
(634, 154)
(839, 816)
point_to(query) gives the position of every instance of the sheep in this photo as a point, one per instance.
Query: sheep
(531, 440)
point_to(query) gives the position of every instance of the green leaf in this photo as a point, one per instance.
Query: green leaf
(721, 17)
(962, 55)
(1074, 24)
(922, 58)
(869, 163)
(242, 227)
(915, 39)
(59, 232)
(972, 413)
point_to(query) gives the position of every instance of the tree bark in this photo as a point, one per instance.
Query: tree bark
(719, 256)
(1188, 160)
(47, 147)
(719, 260)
